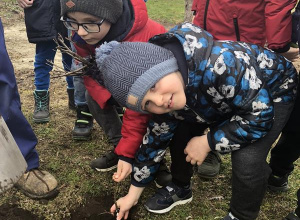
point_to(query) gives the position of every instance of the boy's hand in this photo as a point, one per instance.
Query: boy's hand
(123, 170)
(197, 149)
(125, 203)
(25, 3)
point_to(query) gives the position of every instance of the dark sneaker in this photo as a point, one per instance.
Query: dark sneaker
(230, 217)
(71, 101)
(41, 106)
(84, 124)
(210, 167)
(37, 184)
(105, 163)
(163, 176)
(278, 183)
(168, 197)
(292, 216)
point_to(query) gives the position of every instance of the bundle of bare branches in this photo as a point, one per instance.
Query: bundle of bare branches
(88, 67)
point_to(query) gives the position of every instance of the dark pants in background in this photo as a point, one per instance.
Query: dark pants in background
(287, 150)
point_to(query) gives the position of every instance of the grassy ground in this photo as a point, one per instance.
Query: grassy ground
(69, 160)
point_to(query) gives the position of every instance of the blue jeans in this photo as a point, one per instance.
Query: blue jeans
(46, 51)
(10, 109)
(79, 87)
(79, 91)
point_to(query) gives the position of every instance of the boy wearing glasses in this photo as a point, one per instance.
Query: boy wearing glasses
(92, 23)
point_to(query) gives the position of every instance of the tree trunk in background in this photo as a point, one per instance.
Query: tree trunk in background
(188, 13)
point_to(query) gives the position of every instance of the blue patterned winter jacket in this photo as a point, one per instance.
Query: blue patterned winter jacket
(231, 86)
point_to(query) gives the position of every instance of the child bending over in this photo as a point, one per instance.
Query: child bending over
(244, 93)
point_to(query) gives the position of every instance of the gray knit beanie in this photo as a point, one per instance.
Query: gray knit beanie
(110, 10)
(130, 69)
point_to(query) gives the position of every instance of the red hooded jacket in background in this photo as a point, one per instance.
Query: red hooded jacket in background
(134, 124)
(252, 21)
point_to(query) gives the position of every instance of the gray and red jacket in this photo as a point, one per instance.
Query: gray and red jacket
(133, 25)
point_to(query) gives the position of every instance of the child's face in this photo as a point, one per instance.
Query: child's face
(166, 95)
(89, 38)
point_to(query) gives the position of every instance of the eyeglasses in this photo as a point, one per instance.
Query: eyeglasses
(90, 27)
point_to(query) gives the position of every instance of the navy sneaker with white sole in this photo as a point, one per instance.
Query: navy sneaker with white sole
(168, 197)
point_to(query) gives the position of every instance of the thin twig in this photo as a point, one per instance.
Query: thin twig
(116, 193)
(63, 48)
(61, 45)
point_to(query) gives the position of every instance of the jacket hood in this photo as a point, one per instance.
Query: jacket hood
(198, 44)
(134, 18)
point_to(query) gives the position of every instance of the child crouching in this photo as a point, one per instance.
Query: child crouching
(243, 92)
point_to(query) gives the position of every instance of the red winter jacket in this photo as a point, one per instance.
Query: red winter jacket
(252, 21)
(134, 124)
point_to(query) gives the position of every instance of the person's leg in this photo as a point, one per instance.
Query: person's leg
(108, 119)
(82, 129)
(179, 191)
(110, 122)
(34, 183)
(80, 91)
(44, 51)
(250, 170)
(181, 170)
(286, 152)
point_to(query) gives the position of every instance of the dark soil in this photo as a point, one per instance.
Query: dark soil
(13, 212)
(96, 208)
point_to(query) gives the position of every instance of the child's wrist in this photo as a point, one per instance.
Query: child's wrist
(135, 193)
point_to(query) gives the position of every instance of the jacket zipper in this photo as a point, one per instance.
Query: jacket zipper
(197, 114)
(205, 15)
(236, 27)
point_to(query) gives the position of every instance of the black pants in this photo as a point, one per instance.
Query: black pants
(107, 118)
(250, 170)
(287, 150)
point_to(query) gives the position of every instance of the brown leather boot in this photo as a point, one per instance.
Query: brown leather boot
(37, 184)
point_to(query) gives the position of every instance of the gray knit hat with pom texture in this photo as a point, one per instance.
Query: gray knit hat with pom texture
(130, 69)
(110, 10)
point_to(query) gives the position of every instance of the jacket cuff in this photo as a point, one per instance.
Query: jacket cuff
(210, 142)
(283, 49)
(126, 159)
(137, 184)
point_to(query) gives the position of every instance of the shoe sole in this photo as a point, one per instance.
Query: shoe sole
(208, 176)
(81, 138)
(278, 189)
(49, 195)
(105, 170)
(40, 121)
(180, 202)
(157, 185)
